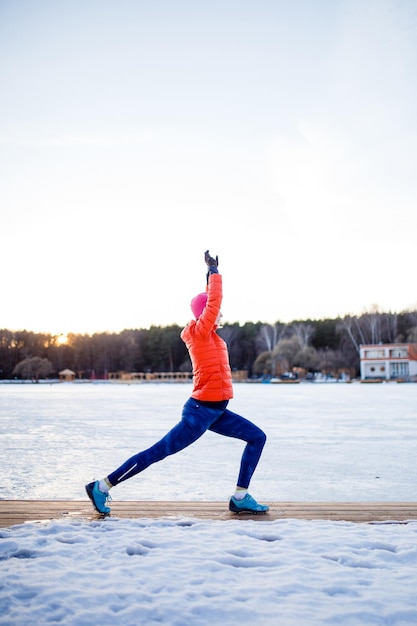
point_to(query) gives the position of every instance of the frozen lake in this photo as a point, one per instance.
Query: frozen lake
(329, 442)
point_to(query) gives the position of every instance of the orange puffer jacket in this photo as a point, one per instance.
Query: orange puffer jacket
(208, 352)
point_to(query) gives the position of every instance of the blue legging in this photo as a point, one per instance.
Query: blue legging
(196, 420)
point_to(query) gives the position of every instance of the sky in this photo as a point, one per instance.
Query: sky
(135, 135)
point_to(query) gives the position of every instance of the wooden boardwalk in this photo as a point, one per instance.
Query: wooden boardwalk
(20, 511)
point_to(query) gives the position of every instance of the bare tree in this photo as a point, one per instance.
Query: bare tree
(412, 318)
(391, 326)
(269, 335)
(304, 333)
(285, 351)
(263, 364)
(412, 335)
(350, 327)
(34, 368)
(333, 362)
(371, 322)
(308, 359)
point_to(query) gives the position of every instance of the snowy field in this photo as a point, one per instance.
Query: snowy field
(325, 442)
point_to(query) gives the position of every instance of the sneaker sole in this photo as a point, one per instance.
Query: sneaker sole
(249, 511)
(89, 492)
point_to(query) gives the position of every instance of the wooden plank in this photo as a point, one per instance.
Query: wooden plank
(20, 511)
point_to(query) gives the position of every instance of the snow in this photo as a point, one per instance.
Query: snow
(325, 442)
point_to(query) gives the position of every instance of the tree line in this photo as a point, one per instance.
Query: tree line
(330, 346)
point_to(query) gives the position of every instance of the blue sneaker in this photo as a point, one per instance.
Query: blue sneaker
(98, 498)
(247, 505)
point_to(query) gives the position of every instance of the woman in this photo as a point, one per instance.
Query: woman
(206, 409)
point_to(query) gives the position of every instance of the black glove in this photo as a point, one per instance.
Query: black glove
(211, 263)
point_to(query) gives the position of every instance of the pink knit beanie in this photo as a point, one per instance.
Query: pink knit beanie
(198, 303)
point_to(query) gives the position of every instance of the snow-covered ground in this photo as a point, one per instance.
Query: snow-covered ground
(325, 442)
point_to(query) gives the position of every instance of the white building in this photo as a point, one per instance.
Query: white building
(389, 361)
